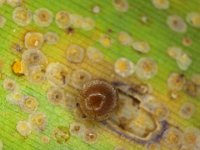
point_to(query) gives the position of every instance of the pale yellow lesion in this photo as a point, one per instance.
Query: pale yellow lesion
(145, 121)
(133, 120)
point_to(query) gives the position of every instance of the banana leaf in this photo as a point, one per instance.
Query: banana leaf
(143, 21)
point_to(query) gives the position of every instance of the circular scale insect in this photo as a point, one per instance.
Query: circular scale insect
(125, 38)
(97, 100)
(33, 40)
(58, 74)
(56, 95)
(79, 77)
(32, 58)
(61, 134)
(176, 24)
(43, 17)
(38, 120)
(62, 19)
(121, 5)
(94, 54)
(75, 54)
(24, 128)
(22, 16)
